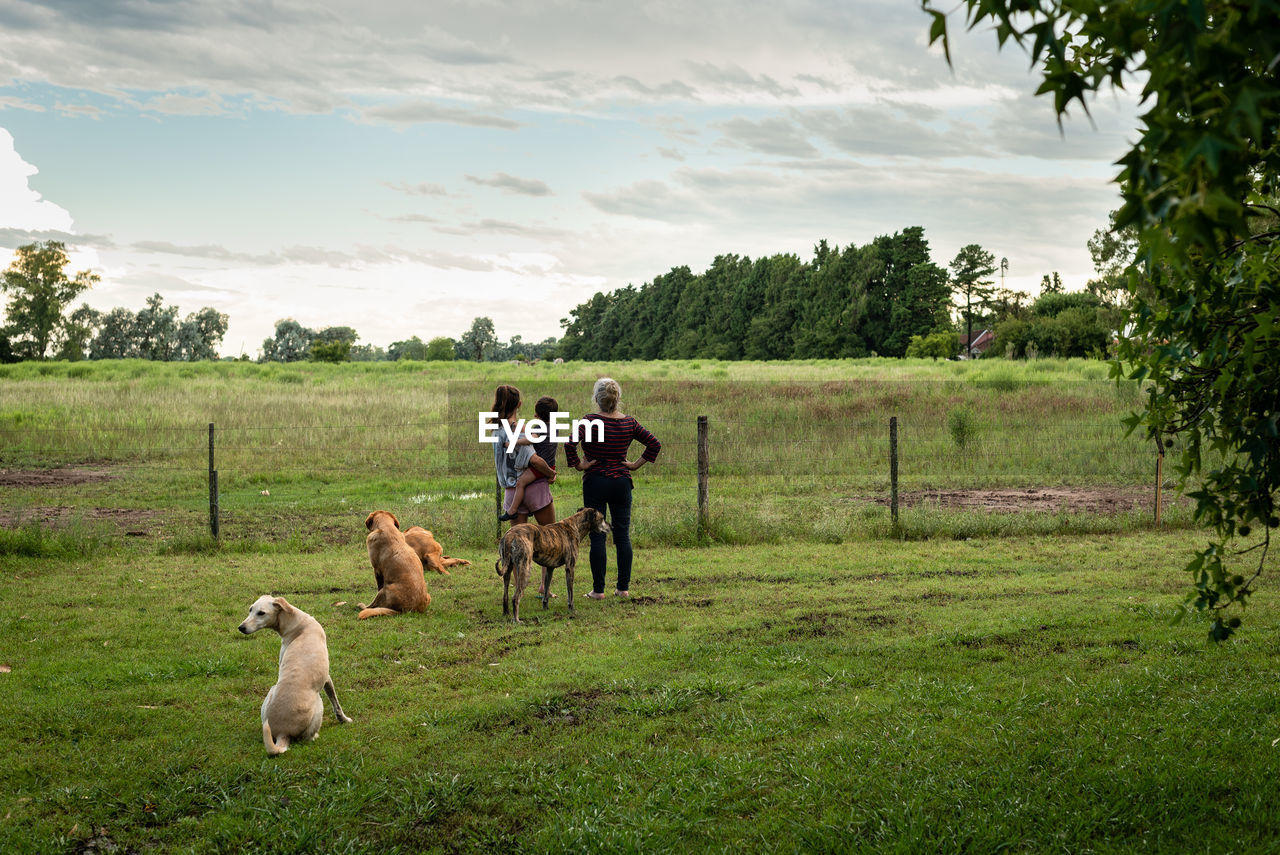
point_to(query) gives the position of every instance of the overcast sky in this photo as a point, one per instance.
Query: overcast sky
(404, 167)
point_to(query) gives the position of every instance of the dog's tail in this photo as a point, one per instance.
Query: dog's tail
(376, 612)
(502, 558)
(269, 741)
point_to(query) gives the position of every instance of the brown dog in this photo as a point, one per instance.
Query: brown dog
(430, 552)
(396, 568)
(549, 546)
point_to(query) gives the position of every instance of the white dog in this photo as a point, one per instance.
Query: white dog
(293, 709)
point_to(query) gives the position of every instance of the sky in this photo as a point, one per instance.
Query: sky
(404, 167)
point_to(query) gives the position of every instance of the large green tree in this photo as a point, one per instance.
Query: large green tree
(291, 343)
(412, 348)
(333, 344)
(155, 330)
(200, 333)
(480, 341)
(1199, 186)
(970, 270)
(439, 349)
(39, 290)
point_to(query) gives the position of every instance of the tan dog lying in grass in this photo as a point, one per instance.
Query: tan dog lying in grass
(293, 709)
(430, 552)
(396, 568)
(550, 546)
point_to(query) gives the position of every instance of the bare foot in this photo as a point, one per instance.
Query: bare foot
(592, 595)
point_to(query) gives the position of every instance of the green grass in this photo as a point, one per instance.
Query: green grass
(809, 676)
(303, 451)
(1026, 694)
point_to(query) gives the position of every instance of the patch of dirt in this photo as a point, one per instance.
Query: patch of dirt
(663, 600)
(572, 709)
(61, 477)
(102, 842)
(824, 624)
(132, 522)
(1098, 500)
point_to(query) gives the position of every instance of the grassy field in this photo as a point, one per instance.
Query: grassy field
(1026, 695)
(807, 678)
(800, 451)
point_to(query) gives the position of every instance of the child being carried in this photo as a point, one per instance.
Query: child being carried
(526, 451)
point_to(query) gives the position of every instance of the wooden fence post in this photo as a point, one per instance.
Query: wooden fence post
(704, 474)
(893, 468)
(1159, 483)
(213, 490)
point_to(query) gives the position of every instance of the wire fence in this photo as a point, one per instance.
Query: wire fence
(769, 472)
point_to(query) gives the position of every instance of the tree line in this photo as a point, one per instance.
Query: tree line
(36, 327)
(293, 342)
(886, 298)
(849, 302)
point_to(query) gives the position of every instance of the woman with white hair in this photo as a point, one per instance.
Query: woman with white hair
(606, 482)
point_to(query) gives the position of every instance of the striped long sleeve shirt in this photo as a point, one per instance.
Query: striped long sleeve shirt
(610, 454)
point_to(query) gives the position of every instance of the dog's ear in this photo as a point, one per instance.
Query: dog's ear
(281, 604)
(368, 523)
(580, 510)
(395, 522)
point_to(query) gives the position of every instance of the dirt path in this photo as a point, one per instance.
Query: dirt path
(1097, 500)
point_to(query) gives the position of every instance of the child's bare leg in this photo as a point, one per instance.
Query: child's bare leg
(526, 478)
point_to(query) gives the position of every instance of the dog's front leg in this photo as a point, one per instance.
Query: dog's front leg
(342, 717)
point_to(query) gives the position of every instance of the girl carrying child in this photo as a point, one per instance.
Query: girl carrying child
(527, 472)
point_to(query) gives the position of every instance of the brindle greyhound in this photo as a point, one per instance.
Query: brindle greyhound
(549, 546)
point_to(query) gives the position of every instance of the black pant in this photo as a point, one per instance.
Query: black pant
(599, 492)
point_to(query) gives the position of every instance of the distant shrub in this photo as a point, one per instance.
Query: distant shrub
(440, 349)
(1055, 303)
(942, 344)
(963, 426)
(1011, 338)
(330, 351)
(999, 379)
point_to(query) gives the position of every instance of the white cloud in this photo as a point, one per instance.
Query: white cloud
(20, 206)
(427, 63)
(419, 111)
(769, 136)
(174, 103)
(423, 188)
(512, 184)
(670, 132)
